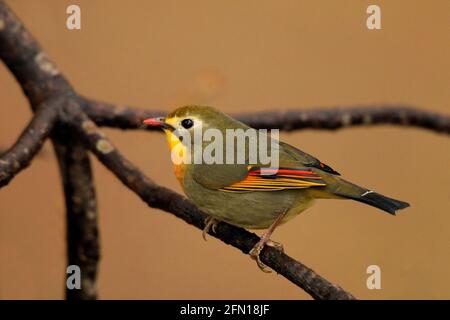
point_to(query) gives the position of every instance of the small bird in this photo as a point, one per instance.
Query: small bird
(252, 195)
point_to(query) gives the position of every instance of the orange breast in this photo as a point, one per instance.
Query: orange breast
(179, 172)
(180, 152)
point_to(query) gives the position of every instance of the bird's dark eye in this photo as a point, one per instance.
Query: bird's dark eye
(187, 123)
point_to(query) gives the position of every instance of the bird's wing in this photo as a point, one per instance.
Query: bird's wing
(272, 179)
(216, 176)
(306, 159)
(297, 170)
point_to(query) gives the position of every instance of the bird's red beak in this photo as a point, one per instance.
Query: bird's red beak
(158, 123)
(155, 122)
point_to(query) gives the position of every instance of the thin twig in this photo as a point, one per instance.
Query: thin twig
(19, 156)
(118, 116)
(124, 117)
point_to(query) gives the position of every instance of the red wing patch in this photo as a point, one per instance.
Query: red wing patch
(272, 179)
(324, 167)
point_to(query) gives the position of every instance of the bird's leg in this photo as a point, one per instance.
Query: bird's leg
(210, 224)
(265, 240)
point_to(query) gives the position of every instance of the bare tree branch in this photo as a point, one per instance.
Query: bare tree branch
(41, 81)
(36, 74)
(124, 117)
(117, 116)
(19, 156)
(83, 248)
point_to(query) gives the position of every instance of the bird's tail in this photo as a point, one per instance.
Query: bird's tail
(354, 192)
(381, 202)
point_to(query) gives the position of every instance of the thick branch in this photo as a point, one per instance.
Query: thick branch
(19, 156)
(83, 247)
(167, 200)
(105, 114)
(41, 80)
(36, 74)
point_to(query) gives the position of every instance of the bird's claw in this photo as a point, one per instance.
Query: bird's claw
(275, 245)
(254, 254)
(210, 224)
(256, 251)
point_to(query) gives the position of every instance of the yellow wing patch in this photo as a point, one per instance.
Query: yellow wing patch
(269, 179)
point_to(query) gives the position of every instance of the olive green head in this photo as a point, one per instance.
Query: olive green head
(192, 117)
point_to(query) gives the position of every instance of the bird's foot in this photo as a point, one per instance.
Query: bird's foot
(254, 254)
(210, 224)
(256, 251)
(275, 245)
(265, 239)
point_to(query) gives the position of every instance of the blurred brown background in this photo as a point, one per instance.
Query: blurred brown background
(241, 56)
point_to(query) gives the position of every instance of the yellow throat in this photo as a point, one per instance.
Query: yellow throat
(176, 149)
